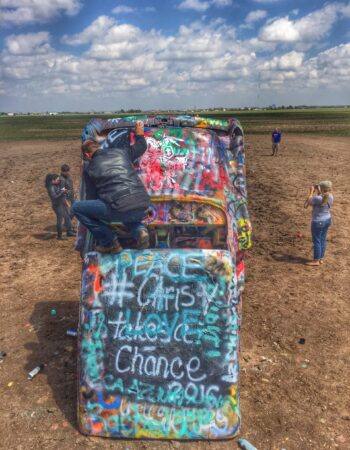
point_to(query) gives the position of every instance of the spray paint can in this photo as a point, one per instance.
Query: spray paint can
(72, 333)
(33, 373)
(245, 445)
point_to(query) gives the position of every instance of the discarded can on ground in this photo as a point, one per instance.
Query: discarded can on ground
(73, 333)
(245, 445)
(33, 373)
(53, 312)
(2, 355)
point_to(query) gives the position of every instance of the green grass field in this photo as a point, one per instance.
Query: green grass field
(322, 121)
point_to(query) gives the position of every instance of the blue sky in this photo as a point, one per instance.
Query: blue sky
(83, 55)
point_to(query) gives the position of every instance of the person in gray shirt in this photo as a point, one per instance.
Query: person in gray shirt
(321, 199)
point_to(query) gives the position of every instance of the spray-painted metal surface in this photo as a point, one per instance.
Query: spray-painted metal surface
(188, 159)
(159, 328)
(193, 213)
(159, 345)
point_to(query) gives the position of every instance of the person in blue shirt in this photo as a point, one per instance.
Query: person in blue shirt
(321, 199)
(276, 139)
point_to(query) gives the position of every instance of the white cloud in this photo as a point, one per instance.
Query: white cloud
(221, 3)
(124, 58)
(28, 44)
(308, 29)
(255, 16)
(331, 66)
(196, 5)
(122, 9)
(288, 61)
(201, 5)
(345, 10)
(326, 73)
(258, 45)
(199, 41)
(19, 12)
(280, 30)
(98, 27)
(125, 66)
(266, 1)
(27, 63)
(123, 42)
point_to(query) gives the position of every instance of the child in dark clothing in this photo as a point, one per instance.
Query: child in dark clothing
(67, 183)
(57, 195)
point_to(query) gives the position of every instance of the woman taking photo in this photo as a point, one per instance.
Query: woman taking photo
(321, 199)
(58, 200)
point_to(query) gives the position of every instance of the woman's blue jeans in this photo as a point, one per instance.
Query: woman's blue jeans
(319, 235)
(94, 213)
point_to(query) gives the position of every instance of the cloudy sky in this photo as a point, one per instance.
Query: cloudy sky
(82, 55)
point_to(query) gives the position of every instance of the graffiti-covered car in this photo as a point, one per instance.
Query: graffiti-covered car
(159, 328)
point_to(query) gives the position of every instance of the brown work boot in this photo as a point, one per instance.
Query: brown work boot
(142, 239)
(114, 248)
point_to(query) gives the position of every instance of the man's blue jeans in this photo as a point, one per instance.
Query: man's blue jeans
(93, 214)
(319, 235)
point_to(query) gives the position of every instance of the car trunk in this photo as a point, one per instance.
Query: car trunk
(158, 344)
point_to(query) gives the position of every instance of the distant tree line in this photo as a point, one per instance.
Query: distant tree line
(173, 111)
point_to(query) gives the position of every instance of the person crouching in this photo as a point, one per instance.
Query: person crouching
(114, 192)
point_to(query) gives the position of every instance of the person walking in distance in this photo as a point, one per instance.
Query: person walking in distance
(276, 137)
(321, 199)
(114, 192)
(57, 195)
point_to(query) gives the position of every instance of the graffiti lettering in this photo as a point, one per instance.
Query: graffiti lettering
(163, 336)
(135, 326)
(155, 366)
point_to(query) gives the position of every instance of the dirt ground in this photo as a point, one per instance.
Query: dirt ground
(293, 396)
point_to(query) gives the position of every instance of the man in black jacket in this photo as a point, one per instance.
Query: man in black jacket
(114, 192)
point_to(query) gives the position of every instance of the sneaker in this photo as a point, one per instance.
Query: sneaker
(61, 238)
(142, 239)
(114, 248)
(71, 233)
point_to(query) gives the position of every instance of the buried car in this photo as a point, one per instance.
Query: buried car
(159, 328)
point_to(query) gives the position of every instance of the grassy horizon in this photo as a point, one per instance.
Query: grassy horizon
(321, 121)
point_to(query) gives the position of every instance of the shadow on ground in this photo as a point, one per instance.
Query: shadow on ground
(282, 257)
(44, 236)
(49, 232)
(57, 351)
